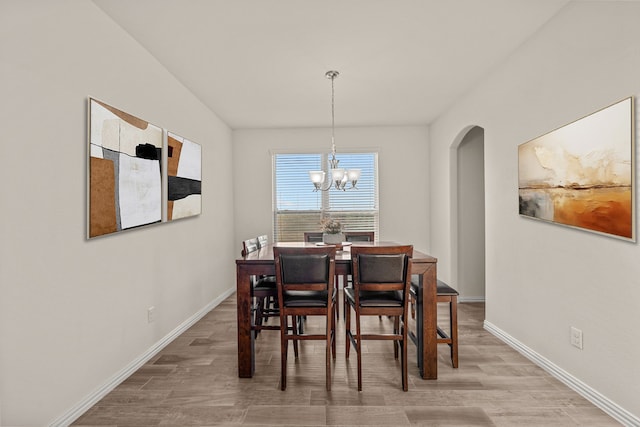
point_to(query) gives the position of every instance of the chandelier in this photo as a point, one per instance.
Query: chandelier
(339, 177)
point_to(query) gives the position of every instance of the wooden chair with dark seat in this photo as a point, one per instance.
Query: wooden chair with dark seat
(359, 236)
(269, 307)
(316, 237)
(355, 236)
(381, 282)
(313, 236)
(445, 294)
(263, 291)
(305, 284)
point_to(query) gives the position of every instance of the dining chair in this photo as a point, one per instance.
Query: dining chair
(316, 237)
(313, 236)
(270, 303)
(305, 284)
(359, 236)
(445, 294)
(381, 281)
(263, 291)
(355, 236)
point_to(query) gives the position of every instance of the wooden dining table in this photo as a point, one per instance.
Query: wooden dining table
(261, 263)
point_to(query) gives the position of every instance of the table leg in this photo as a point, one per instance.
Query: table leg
(246, 349)
(427, 317)
(419, 322)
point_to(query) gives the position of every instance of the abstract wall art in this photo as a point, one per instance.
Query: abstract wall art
(582, 174)
(184, 165)
(125, 182)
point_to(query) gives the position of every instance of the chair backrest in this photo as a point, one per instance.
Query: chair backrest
(263, 241)
(359, 236)
(249, 245)
(382, 268)
(313, 236)
(304, 268)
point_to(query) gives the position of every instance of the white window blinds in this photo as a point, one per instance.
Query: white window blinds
(297, 208)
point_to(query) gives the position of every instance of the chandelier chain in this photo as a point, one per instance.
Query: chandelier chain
(333, 117)
(339, 177)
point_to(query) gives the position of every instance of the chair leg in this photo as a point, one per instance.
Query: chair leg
(259, 313)
(359, 351)
(284, 347)
(335, 317)
(336, 288)
(412, 302)
(266, 304)
(453, 324)
(405, 378)
(294, 326)
(345, 306)
(396, 330)
(347, 329)
(329, 329)
(418, 333)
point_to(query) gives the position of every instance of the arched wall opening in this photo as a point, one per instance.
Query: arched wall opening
(468, 214)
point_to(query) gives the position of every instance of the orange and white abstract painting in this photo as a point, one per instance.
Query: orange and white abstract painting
(582, 175)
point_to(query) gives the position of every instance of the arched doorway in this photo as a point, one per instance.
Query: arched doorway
(468, 214)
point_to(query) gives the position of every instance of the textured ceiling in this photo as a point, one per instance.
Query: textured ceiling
(261, 63)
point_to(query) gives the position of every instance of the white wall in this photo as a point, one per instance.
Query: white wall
(73, 312)
(541, 278)
(403, 177)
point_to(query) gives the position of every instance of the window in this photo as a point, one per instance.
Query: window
(297, 208)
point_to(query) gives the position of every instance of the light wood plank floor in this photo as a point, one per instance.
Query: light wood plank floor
(194, 382)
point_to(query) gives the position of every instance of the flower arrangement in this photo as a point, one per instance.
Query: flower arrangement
(330, 225)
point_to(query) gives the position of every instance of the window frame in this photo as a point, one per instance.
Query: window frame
(367, 219)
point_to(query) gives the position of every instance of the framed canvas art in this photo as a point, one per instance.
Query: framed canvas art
(184, 166)
(125, 182)
(582, 175)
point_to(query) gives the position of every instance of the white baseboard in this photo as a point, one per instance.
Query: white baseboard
(85, 404)
(607, 405)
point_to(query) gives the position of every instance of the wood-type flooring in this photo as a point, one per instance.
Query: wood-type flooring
(194, 382)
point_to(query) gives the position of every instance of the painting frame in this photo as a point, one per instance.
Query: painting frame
(124, 171)
(582, 175)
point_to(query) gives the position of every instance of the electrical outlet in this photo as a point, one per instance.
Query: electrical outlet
(151, 314)
(576, 337)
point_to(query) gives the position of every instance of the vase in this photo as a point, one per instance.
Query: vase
(333, 238)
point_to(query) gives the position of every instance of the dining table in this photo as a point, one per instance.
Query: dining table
(261, 262)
